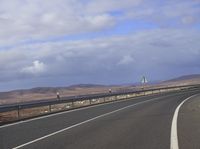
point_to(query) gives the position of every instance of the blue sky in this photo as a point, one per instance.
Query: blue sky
(64, 42)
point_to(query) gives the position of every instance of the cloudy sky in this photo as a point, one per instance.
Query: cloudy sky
(64, 42)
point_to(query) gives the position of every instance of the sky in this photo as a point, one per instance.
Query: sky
(65, 42)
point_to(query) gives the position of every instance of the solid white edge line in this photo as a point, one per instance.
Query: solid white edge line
(69, 111)
(78, 124)
(174, 135)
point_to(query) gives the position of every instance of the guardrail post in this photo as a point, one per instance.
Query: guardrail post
(72, 102)
(18, 112)
(49, 108)
(90, 101)
(110, 98)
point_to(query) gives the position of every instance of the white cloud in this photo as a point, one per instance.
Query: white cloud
(161, 48)
(44, 19)
(40, 19)
(36, 69)
(127, 59)
(100, 21)
(170, 13)
(102, 6)
(188, 20)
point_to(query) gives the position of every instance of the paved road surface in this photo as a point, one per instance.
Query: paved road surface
(140, 123)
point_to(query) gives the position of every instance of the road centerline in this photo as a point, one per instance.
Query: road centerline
(68, 111)
(84, 122)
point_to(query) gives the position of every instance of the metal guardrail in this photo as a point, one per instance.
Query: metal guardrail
(66, 103)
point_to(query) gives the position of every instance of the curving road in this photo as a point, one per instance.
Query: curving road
(139, 123)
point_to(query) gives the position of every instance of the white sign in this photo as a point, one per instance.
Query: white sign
(144, 80)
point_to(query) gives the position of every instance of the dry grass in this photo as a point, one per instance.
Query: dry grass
(8, 116)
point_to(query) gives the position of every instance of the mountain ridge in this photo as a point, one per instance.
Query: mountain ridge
(185, 77)
(38, 93)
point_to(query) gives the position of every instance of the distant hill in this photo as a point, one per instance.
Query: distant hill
(186, 77)
(86, 85)
(53, 89)
(184, 80)
(39, 93)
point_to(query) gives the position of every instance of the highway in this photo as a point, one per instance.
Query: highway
(162, 121)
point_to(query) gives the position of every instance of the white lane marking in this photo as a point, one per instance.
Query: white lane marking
(64, 112)
(174, 135)
(89, 120)
(60, 113)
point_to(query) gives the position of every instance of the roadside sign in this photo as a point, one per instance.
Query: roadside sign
(144, 80)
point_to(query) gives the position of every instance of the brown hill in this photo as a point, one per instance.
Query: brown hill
(184, 80)
(50, 92)
(83, 89)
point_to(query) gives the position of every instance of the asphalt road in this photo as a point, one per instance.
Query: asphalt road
(140, 123)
